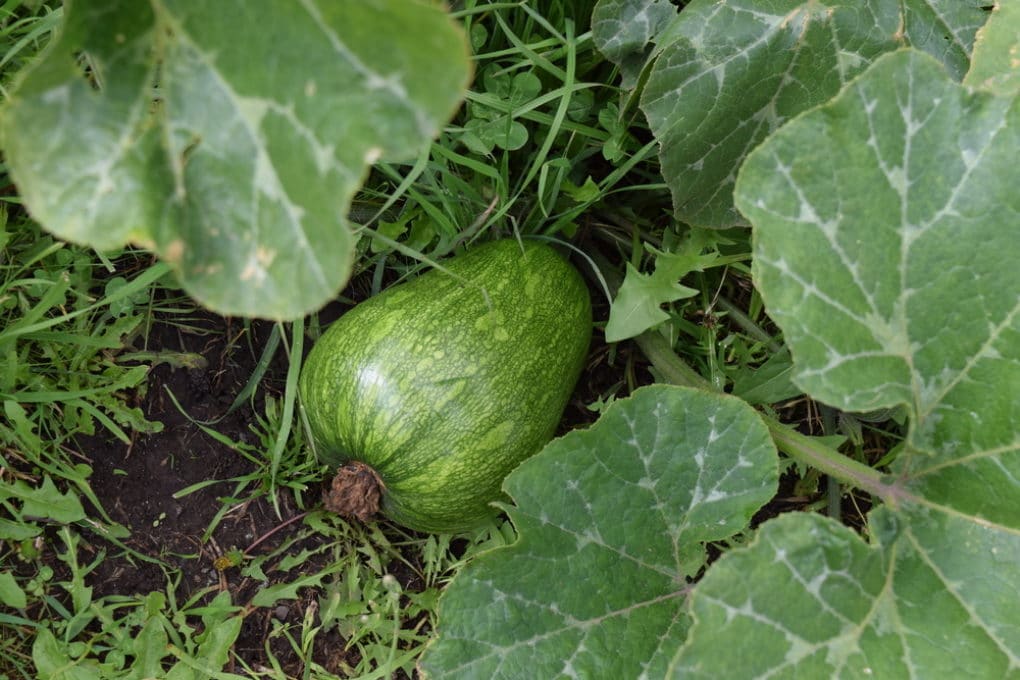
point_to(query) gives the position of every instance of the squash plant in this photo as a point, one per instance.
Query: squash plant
(869, 145)
(881, 191)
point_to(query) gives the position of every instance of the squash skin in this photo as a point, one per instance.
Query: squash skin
(442, 388)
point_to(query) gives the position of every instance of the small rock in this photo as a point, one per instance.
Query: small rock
(281, 612)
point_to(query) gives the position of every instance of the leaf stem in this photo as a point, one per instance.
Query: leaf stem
(674, 369)
(801, 448)
(812, 452)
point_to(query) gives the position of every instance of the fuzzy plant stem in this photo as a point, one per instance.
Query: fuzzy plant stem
(674, 369)
(812, 452)
(801, 448)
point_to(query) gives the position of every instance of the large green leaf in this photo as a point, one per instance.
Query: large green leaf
(996, 61)
(936, 599)
(625, 31)
(886, 248)
(886, 228)
(612, 523)
(945, 29)
(229, 136)
(738, 69)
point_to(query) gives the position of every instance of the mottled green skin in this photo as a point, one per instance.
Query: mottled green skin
(443, 388)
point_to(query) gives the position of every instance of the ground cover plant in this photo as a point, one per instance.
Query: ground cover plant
(797, 219)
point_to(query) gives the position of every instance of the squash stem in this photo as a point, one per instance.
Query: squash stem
(356, 491)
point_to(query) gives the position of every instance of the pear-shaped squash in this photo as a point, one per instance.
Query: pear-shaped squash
(426, 395)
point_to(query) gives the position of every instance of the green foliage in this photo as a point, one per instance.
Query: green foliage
(862, 211)
(383, 626)
(769, 383)
(854, 259)
(62, 328)
(744, 67)
(877, 272)
(142, 638)
(229, 150)
(995, 51)
(59, 333)
(44, 502)
(612, 521)
(637, 305)
(11, 594)
(870, 212)
(489, 127)
(944, 29)
(626, 31)
(435, 203)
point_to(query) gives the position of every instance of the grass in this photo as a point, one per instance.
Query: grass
(538, 148)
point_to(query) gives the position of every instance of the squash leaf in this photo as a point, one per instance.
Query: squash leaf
(231, 151)
(928, 602)
(870, 215)
(612, 524)
(744, 67)
(886, 249)
(996, 61)
(944, 29)
(626, 32)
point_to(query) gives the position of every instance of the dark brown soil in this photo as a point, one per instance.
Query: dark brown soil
(140, 484)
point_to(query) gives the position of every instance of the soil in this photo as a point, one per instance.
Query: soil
(139, 484)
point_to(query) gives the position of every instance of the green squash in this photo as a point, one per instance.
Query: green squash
(426, 395)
